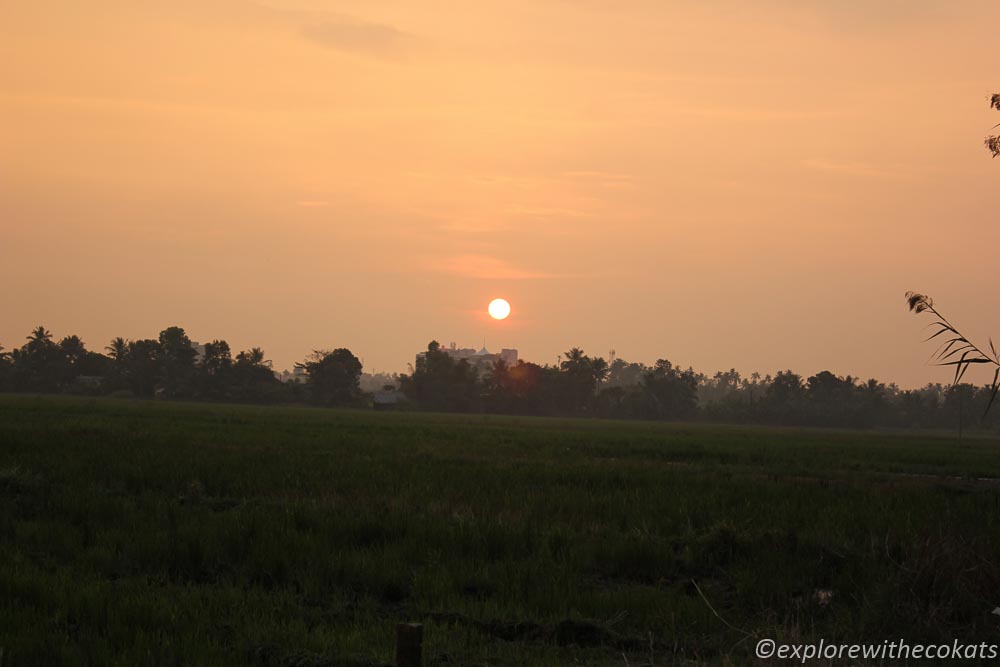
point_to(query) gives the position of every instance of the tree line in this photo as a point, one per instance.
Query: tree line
(585, 386)
(170, 366)
(580, 385)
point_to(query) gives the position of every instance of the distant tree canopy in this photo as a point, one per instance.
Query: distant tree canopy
(170, 366)
(176, 361)
(439, 382)
(333, 376)
(673, 392)
(167, 366)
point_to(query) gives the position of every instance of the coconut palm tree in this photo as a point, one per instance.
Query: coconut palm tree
(74, 348)
(39, 339)
(117, 349)
(600, 369)
(40, 361)
(253, 357)
(575, 360)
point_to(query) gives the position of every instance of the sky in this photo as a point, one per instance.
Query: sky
(749, 185)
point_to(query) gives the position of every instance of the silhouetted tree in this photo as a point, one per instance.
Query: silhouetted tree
(78, 361)
(439, 382)
(497, 387)
(785, 397)
(727, 396)
(872, 404)
(177, 363)
(523, 388)
(5, 370)
(73, 348)
(600, 370)
(38, 363)
(40, 338)
(578, 385)
(215, 370)
(672, 393)
(117, 351)
(332, 376)
(580, 380)
(624, 374)
(142, 367)
(829, 400)
(253, 378)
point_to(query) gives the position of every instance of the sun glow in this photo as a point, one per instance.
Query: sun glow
(499, 309)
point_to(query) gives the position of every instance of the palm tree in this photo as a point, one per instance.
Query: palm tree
(41, 360)
(40, 333)
(575, 358)
(117, 349)
(577, 369)
(599, 367)
(39, 339)
(73, 348)
(253, 357)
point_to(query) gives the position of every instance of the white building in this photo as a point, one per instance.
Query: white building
(479, 359)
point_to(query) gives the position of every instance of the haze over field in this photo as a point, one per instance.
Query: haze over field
(749, 185)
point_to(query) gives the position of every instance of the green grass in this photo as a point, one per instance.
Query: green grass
(165, 533)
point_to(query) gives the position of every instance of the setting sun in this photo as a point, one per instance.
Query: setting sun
(499, 309)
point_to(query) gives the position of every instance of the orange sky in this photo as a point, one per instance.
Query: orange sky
(748, 184)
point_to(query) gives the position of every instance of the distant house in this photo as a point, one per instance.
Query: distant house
(387, 399)
(297, 374)
(481, 359)
(87, 383)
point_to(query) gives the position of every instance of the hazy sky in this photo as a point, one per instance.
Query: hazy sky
(747, 184)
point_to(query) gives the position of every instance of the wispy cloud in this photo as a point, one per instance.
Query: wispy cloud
(483, 267)
(355, 35)
(335, 30)
(861, 169)
(603, 179)
(472, 225)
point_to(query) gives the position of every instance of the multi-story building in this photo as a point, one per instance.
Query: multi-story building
(297, 374)
(480, 359)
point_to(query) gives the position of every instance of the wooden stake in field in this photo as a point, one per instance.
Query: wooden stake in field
(409, 644)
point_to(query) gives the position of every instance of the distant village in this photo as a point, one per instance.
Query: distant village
(478, 359)
(463, 379)
(379, 382)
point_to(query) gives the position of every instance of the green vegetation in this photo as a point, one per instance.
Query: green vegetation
(173, 367)
(168, 533)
